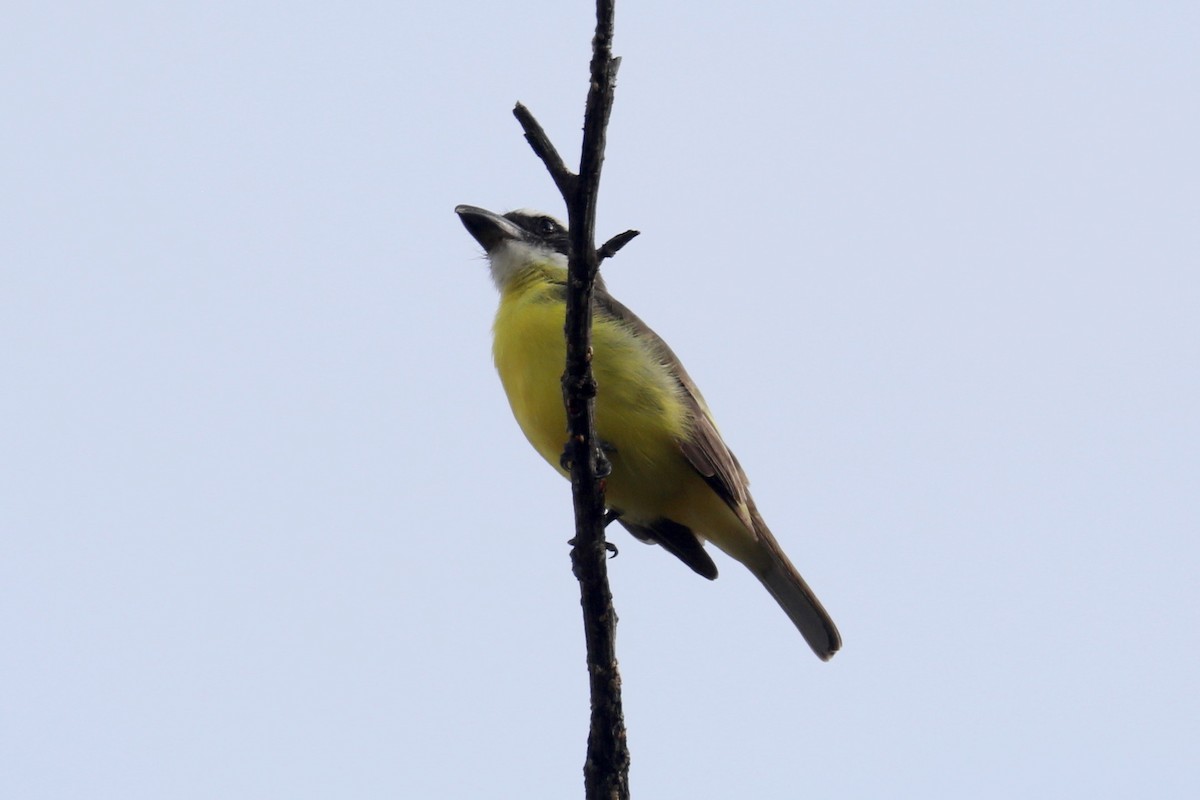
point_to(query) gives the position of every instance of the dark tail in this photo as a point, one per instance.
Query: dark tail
(795, 598)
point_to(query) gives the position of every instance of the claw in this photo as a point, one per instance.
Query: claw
(609, 546)
(603, 465)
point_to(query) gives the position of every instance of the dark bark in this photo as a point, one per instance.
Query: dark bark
(606, 769)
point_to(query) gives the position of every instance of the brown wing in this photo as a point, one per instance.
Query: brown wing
(709, 456)
(678, 540)
(705, 449)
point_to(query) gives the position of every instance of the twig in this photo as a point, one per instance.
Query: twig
(610, 248)
(564, 179)
(606, 769)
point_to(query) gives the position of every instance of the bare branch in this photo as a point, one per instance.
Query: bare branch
(610, 248)
(564, 179)
(606, 769)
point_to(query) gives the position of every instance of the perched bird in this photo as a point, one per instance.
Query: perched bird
(673, 480)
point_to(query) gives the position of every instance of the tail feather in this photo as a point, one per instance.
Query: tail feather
(803, 608)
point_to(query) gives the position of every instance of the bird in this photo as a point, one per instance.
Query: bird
(673, 480)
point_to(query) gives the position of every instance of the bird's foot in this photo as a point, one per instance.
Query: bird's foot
(609, 546)
(603, 465)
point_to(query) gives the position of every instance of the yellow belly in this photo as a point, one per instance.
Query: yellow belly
(640, 412)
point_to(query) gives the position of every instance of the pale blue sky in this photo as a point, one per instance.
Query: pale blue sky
(267, 528)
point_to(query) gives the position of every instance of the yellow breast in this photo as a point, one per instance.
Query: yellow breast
(640, 412)
(530, 359)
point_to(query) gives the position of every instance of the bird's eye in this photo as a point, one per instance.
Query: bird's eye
(547, 226)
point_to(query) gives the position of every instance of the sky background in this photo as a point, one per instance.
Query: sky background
(268, 530)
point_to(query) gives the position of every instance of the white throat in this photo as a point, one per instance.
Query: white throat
(512, 256)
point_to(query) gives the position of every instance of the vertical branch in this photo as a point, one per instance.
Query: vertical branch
(582, 213)
(606, 769)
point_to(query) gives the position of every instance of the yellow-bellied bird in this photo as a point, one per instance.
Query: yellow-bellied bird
(673, 480)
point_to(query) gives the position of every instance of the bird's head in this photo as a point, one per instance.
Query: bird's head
(516, 241)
